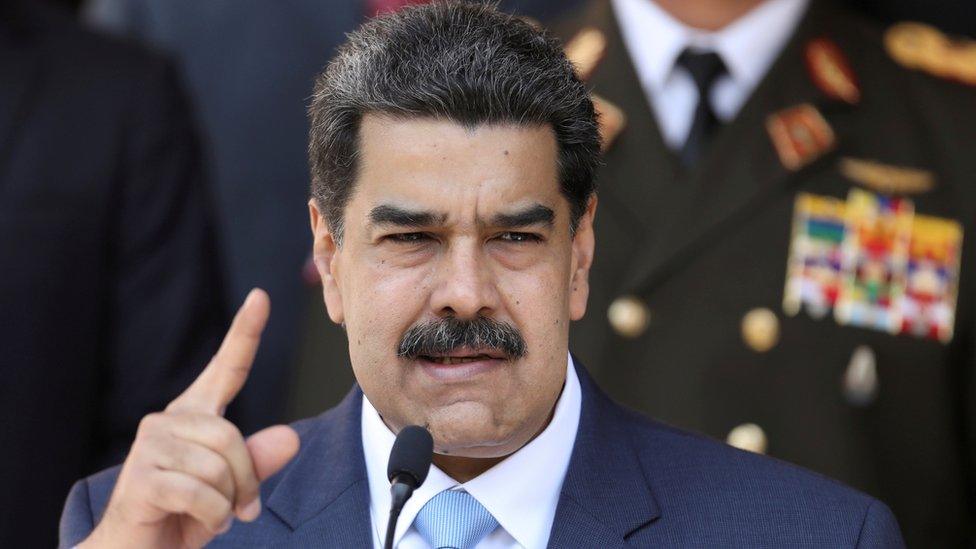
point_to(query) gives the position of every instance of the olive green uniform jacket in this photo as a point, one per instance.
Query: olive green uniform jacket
(694, 253)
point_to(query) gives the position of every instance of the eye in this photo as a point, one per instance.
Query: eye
(512, 236)
(407, 238)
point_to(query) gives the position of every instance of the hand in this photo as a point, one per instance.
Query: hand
(190, 471)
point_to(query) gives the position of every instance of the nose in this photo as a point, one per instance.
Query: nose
(465, 286)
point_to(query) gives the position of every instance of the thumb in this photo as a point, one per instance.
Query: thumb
(271, 449)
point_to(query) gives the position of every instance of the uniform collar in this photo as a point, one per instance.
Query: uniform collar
(521, 492)
(654, 39)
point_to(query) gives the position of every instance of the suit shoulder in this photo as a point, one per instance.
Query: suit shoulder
(310, 426)
(308, 429)
(656, 440)
(100, 486)
(695, 475)
(80, 516)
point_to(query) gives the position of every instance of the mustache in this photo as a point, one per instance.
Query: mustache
(440, 337)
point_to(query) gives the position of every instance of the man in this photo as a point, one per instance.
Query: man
(452, 151)
(789, 265)
(250, 66)
(109, 293)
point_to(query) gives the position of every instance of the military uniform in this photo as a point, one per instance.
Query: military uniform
(809, 288)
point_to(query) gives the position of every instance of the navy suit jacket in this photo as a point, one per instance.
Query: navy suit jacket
(632, 482)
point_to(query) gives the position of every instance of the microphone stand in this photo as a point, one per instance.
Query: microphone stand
(400, 491)
(407, 469)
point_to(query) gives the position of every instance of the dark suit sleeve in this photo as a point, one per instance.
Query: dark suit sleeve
(880, 528)
(76, 519)
(165, 308)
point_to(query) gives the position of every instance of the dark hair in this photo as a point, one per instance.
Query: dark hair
(464, 62)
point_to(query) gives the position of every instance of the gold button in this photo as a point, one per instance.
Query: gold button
(628, 316)
(748, 436)
(860, 382)
(760, 329)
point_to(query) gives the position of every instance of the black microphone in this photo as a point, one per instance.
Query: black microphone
(407, 469)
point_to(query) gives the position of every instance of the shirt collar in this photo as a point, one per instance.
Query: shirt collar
(655, 39)
(521, 492)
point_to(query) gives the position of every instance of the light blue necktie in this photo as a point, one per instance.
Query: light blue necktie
(454, 520)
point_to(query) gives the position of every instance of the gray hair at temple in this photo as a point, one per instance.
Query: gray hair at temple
(461, 61)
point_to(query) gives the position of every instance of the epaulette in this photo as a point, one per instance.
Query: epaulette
(923, 47)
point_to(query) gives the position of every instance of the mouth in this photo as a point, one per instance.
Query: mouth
(450, 360)
(460, 365)
(463, 356)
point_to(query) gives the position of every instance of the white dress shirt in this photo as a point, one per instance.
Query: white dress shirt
(521, 492)
(748, 47)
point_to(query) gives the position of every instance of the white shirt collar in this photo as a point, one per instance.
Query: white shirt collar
(748, 46)
(521, 492)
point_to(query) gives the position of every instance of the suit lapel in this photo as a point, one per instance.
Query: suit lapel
(605, 496)
(18, 64)
(325, 494)
(743, 170)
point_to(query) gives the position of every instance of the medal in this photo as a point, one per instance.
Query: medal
(874, 263)
(800, 135)
(876, 239)
(814, 267)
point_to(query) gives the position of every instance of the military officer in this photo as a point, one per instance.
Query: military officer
(787, 212)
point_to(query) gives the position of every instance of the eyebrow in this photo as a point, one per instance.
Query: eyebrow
(394, 215)
(537, 214)
(387, 214)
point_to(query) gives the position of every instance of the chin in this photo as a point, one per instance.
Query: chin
(470, 430)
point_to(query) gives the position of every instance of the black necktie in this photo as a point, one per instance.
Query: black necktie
(704, 68)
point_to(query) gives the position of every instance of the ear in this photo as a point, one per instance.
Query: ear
(584, 245)
(325, 255)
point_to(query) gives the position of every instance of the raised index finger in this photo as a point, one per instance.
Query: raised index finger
(223, 378)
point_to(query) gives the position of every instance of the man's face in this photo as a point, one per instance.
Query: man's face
(448, 225)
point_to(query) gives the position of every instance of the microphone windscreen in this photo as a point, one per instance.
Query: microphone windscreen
(412, 452)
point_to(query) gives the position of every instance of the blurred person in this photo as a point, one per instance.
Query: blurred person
(250, 67)
(453, 151)
(783, 265)
(109, 293)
